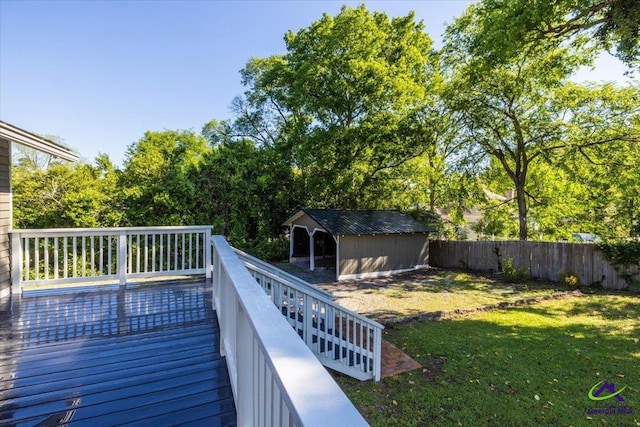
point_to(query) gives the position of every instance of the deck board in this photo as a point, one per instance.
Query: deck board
(146, 355)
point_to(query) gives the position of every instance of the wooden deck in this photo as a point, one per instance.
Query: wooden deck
(147, 355)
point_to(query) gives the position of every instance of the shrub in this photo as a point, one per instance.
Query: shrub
(569, 279)
(275, 249)
(512, 274)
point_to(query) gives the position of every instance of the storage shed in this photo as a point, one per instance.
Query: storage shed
(9, 134)
(358, 243)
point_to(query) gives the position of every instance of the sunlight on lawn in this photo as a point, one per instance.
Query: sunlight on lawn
(526, 366)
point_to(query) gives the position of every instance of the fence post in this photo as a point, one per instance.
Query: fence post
(207, 253)
(122, 257)
(16, 263)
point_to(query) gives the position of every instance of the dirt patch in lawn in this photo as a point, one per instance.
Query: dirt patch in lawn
(433, 293)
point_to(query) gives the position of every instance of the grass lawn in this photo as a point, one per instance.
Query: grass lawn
(431, 290)
(525, 366)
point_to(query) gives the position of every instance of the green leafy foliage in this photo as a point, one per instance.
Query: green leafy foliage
(524, 111)
(362, 112)
(512, 274)
(246, 193)
(349, 104)
(156, 179)
(569, 279)
(64, 195)
(621, 252)
(509, 27)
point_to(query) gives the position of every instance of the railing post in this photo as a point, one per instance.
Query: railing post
(122, 258)
(246, 355)
(16, 263)
(207, 253)
(377, 351)
(312, 255)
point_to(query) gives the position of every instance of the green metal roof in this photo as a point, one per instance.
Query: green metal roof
(348, 222)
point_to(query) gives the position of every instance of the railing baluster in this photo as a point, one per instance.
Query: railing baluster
(161, 253)
(46, 258)
(182, 252)
(75, 256)
(65, 263)
(129, 253)
(190, 250)
(175, 251)
(169, 252)
(101, 249)
(93, 256)
(198, 250)
(56, 261)
(27, 257)
(37, 258)
(84, 255)
(137, 253)
(109, 252)
(153, 253)
(146, 253)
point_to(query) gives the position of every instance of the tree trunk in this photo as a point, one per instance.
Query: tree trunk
(522, 211)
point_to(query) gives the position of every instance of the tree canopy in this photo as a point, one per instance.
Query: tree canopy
(345, 104)
(508, 27)
(526, 110)
(361, 111)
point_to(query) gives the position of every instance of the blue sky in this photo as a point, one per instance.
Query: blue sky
(100, 73)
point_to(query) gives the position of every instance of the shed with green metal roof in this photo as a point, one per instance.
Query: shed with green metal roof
(358, 243)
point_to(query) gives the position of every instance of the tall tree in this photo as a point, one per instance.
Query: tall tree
(341, 104)
(524, 110)
(517, 25)
(245, 191)
(155, 181)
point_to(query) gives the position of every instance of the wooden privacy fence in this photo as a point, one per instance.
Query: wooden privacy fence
(544, 260)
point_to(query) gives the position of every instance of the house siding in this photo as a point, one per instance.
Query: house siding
(367, 255)
(5, 216)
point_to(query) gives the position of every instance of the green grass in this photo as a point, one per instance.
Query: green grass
(430, 290)
(527, 366)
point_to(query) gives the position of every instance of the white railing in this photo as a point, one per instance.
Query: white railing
(108, 254)
(341, 339)
(256, 263)
(276, 379)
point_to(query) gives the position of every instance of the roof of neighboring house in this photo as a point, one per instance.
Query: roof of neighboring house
(349, 222)
(21, 136)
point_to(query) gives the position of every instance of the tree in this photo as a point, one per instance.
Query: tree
(245, 191)
(524, 110)
(66, 195)
(509, 27)
(156, 182)
(341, 104)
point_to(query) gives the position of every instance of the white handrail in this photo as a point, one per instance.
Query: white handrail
(341, 339)
(276, 379)
(57, 256)
(250, 260)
